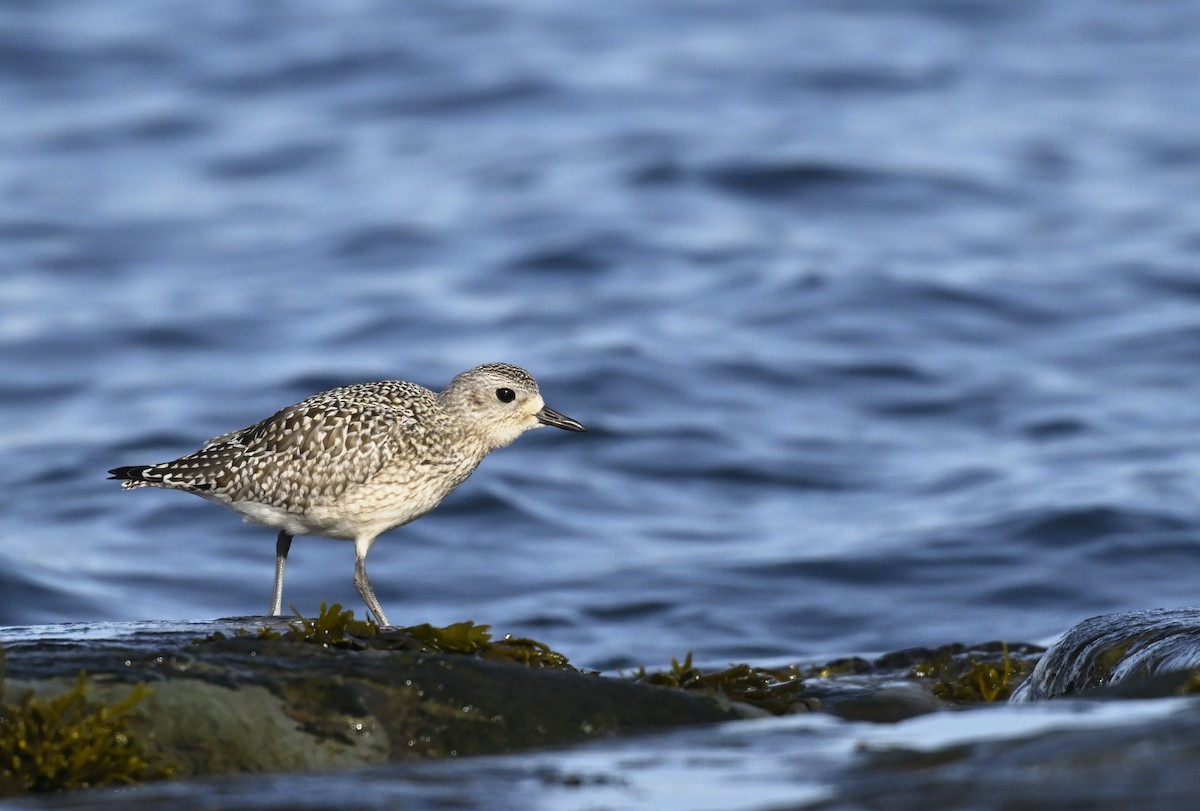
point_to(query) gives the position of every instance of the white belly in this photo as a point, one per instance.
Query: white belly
(267, 516)
(361, 512)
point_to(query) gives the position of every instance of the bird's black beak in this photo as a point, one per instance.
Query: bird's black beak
(550, 417)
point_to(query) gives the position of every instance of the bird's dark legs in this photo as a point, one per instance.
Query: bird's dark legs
(363, 584)
(282, 546)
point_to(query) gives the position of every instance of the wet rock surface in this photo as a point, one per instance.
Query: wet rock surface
(1141, 654)
(223, 703)
(255, 719)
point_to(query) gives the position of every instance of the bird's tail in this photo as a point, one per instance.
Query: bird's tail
(134, 476)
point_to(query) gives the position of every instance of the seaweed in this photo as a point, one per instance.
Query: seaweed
(460, 637)
(67, 742)
(467, 637)
(1191, 683)
(333, 627)
(969, 679)
(776, 691)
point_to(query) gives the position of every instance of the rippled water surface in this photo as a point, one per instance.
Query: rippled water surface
(884, 317)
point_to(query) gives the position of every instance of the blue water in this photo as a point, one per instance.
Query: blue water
(884, 317)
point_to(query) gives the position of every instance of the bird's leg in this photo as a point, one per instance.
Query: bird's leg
(363, 583)
(282, 546)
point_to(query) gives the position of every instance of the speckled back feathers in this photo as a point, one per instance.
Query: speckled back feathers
(306, 458)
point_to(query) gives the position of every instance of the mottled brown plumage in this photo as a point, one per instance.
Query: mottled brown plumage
(356, 461)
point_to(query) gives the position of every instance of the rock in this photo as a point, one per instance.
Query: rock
(1137, 653)
(224, 703)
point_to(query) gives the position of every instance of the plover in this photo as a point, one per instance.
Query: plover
(353, 462)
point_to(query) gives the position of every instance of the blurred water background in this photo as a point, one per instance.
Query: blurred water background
(884, 316)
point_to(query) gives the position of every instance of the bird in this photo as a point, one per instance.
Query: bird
(353, 462)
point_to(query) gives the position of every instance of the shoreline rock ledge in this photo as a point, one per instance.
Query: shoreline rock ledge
(233, 696)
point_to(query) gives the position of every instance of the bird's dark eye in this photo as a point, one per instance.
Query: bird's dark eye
(506, 395)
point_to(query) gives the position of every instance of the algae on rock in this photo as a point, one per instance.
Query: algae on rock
(69, 742)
